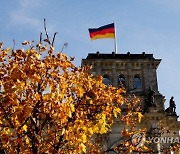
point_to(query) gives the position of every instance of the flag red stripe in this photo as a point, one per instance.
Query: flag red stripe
(104, 31)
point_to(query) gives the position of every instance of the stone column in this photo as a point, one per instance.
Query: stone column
(129, 76)
(98, 69)
(114, 75)
(145, 79)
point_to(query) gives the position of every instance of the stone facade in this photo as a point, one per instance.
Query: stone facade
(137, 73)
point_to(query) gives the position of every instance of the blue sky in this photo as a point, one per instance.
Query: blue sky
(151, 26)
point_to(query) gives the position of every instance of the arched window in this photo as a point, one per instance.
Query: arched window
(121, 81)
(106, 79)
(137, 82)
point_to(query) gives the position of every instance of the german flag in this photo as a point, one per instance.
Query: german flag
(107, 31)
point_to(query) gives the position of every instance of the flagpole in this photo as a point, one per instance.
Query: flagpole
(115, 40)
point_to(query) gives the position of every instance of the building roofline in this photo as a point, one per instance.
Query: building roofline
(113, 55)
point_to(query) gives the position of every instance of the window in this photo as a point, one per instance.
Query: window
(106, 80)
(137, 82)
(121, 81)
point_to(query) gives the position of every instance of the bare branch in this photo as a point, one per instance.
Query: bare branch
(54, 38)
(14, 44)
(64, 46)
(47, 36)
(40, 39)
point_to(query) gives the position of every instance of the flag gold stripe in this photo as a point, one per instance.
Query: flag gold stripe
(107, 35)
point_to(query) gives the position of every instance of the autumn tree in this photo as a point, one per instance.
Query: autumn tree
(48, 105)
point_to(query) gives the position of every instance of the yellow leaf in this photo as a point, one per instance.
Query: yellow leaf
(103, 129)
(103, 119)
(116, 111)
(16, 121)
(80, 91)
(63, 131)
(8, 49)
(95, 129)
(6, 130)
(27, 140)
(145, 147)
(115, 114)
(140, 116)
(84, 138)
(44, 48)
(38, 56)
(24, 128)
(72, 107)
(70, 114)
(83, 147)
(91, 131)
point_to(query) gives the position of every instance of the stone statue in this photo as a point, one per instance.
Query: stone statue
(172, 106)
(149, 100)
(151, 97)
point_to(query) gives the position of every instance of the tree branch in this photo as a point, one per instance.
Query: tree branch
(54, 38)
(6, 115)
(47, 36)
